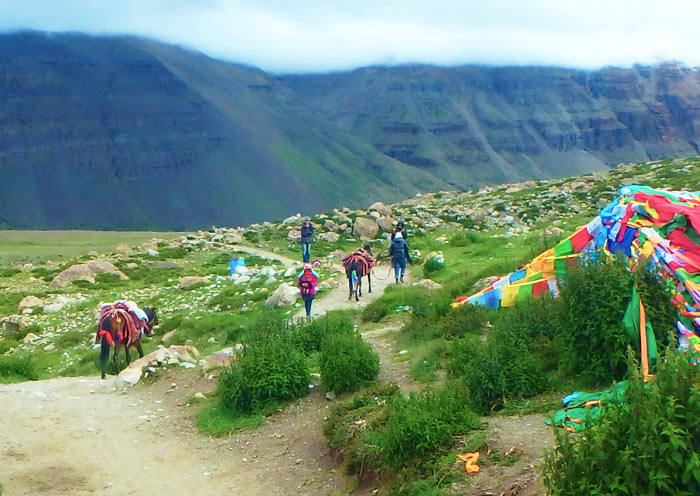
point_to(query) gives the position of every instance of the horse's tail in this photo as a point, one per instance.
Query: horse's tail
(104, 351)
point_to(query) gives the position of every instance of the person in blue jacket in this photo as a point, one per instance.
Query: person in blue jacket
(307, 233)
(399, 254)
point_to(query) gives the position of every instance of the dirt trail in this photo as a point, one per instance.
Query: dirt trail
(392, 369)
(337, 299)
(79, 436)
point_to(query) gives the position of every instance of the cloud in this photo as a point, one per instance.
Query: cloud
(315, 35)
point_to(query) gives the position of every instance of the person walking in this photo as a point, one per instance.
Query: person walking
(307, 233)
(400, 228)
(307, 281)
(399, 254)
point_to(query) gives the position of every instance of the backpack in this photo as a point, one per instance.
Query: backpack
(306, 283)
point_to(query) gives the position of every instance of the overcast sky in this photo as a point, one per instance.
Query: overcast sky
(322, 35)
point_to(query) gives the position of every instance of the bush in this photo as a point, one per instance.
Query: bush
(266, 372)
(646, 446)
(421, 425)
(594, 298)
(395, 296)
(432, 266)
(464, 319)
(347, 363)
(18, 368)
(496, 370)
(309, 335)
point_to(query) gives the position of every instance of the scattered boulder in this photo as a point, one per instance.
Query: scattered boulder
(242, 280)
(294, 235)
(162, 356)
(331, 237)
(168, 336)
(162, 265)
(86, 272)
(14, 323)
(365, 228)
(284, 296)
(50, 347)
(382, 208)
(221, 358)
(123, 249)
(428, 284)
(483, 283)
(188, 281)
(30, 302)
(30, 338)
(53, 308)
(385, 223)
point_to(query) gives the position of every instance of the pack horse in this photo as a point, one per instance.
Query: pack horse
(357, 265)
(122, 325)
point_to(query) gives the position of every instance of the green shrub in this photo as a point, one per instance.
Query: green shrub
(648, 445)
(432, 266)
(496, 370)
(9, 271)
(422, 424)
(464, 319)
(15, 368)
(395, 296)
(347, 363)
(594, 298)
(266, 372)
(309, 335)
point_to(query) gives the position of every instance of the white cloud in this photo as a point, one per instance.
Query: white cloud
(316, 35)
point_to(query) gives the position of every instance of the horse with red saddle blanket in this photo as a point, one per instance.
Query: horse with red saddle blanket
(122, 325)
(357, 265)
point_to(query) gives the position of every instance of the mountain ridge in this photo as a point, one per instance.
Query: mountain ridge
(125, 132)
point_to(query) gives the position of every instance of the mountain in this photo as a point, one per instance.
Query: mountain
(124, 133)
(473, 125)
(114, 132)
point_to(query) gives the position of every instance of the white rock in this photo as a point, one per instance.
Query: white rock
(241, 280)
(53, 308)
(284, 296)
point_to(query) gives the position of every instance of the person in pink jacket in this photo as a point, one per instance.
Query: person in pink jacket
(307, 282)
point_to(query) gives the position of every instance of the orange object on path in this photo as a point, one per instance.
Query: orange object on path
(470, 458)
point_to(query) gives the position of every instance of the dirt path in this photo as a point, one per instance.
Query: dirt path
(77, 436)
(392, 368)
(337, 299)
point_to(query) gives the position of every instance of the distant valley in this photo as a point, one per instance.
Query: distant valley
(126, 133)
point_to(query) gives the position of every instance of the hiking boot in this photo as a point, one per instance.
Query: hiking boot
(397, 281)
(401, 278)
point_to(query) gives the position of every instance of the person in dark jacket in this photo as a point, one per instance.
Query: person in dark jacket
(400, 228)
(399, 254)
(307, 233)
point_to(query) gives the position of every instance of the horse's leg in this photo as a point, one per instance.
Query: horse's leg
(104, 356)
(115, 360)
(139, 349)
(358, 292)
(369, 280)
(126, 353)
(350, 286)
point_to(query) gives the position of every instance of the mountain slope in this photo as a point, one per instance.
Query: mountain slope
(122, 132)
(471, 124)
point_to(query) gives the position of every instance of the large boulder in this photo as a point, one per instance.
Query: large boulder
(188, 281)
(283, 296)
(382, 208)
(30, 302)
(385, 223)
(86, 272)
(80, 272)
(294, 235)
(365, 228)
(14, 323)
(161, 356)
(221, 358)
